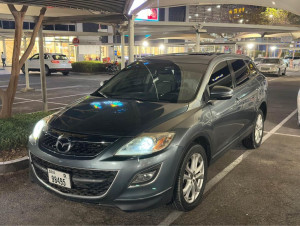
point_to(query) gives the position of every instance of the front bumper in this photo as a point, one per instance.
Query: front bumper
(117, 191)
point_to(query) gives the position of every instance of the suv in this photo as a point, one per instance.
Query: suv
(148, 135)
(54, 62)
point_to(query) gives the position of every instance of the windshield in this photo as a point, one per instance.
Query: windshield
(59, 57)
(270, 61)
(156, 81)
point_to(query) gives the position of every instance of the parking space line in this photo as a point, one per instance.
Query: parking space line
(284, 134)
(80, 94)
(39, 101)
(66, 87)
(21, 85)
(174, 215)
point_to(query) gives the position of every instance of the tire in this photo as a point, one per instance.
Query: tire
(186, 181)
(23, 69)
(279, 73)
(65, 73)
(284, 73)
(254, 140)
(47, 70)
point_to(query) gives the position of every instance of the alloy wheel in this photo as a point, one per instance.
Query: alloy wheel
(193, 178)
(259, 128)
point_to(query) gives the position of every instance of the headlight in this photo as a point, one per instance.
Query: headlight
(146, 144)
(38, 128)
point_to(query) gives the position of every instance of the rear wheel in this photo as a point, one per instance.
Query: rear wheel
(191, 180)
(254, 140)
(65, 73)
(47, 70)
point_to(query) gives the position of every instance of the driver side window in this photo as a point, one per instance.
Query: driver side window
(221, 76)
(35, 57)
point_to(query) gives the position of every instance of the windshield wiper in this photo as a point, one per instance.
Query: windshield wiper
(101, 93)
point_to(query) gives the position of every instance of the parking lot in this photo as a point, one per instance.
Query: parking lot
(245, 187)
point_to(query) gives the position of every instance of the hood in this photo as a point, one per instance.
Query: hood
(114, 117)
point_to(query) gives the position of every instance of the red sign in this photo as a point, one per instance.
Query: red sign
(75, 41)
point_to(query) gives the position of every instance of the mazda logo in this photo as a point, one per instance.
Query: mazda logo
(63, 144)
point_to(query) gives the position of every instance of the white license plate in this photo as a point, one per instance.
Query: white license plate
(265, 69)
(59, 178)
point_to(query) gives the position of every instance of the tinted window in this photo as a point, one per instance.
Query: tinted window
(241, 71)
(221, 76)
(270, 61)
(157, 81)
(59, 57)
(252, 67)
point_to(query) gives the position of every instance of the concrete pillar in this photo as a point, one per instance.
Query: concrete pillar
(197, 47)
(122, 50)
(42, 70)
(187, 13)
(131, 40)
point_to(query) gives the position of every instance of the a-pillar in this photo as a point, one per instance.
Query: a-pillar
(131, 39)
(197, 47)
(42, 70)
(122, 50)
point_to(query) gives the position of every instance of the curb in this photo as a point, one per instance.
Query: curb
(14, 165)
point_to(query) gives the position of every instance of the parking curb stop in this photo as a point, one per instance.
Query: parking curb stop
(14, 165)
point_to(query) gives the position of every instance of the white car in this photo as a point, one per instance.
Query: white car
(296, 61)
(54, 62)
(272, 66)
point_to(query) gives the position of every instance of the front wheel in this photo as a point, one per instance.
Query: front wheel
(284, 73)
(191, 179)
(254, 140)
(65, 73)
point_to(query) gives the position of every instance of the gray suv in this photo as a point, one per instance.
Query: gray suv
(149, 134)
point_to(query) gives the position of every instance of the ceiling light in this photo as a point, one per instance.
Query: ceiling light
(145, 43)
(209, 9)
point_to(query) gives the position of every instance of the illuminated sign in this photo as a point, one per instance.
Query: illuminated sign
(146, 14)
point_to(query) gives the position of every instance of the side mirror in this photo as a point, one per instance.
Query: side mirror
(221, 93)
(103, 82)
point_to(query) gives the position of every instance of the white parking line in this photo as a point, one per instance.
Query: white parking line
(174, 215)
(284, 134)
(80, 94)
(21, 85)
(66, 87)
(28, 100)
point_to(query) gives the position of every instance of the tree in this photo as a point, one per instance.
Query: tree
(273, 16)
(7, 96)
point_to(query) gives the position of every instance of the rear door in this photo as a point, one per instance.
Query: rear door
(245, 93)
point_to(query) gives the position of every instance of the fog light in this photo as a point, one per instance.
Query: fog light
(145, 177)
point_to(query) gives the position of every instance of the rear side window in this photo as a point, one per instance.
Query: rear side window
(59, 57)
(241, 71)
(252, 67)
(221, 76)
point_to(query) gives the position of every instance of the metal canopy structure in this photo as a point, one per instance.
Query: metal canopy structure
(292, 6)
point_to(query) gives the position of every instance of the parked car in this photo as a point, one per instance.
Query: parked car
(148, 135)
(296, 60)
(54, 62)
(272, 66)
(298, 105)
(258, 60)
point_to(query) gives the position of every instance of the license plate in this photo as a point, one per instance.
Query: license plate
(265, 69)
(59, 178)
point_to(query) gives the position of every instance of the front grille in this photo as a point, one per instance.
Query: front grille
(81, 145)
(83, 182)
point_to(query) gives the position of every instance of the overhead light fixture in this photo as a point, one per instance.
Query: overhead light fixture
(218, 6)
(271, 16)
(196, 15)
(209, 9)
(273, 48)
(145, 44)
(190, 17)
(250, 46)
(241, 21)
(274, 3)
(162, 47)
